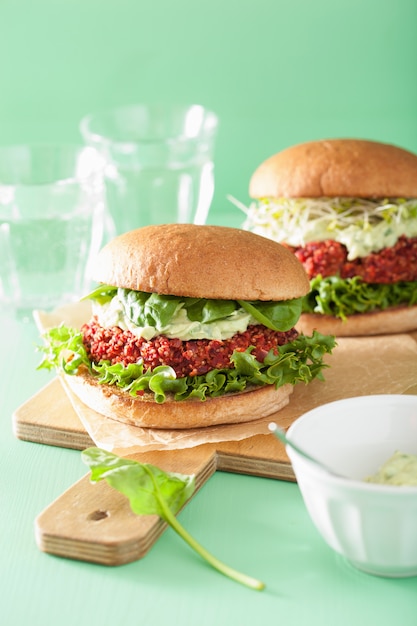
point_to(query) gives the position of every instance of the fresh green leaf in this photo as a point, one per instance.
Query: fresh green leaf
(148, 309)
(102, 294)
(163, 381)
(281, 316)
(64, 350)
(145, 485)
(151, 491)
(341, 297)
(208, 311)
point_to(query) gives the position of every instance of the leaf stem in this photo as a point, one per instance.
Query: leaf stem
(239, 577)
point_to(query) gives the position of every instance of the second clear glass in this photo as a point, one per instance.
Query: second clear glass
(158, 162)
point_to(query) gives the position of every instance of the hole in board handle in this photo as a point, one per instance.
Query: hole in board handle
(98, 515)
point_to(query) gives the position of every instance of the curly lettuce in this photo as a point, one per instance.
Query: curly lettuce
(298, 361)
(341, 297)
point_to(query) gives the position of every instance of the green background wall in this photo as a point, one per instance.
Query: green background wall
(277, 72)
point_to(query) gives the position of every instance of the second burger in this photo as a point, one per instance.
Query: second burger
(347, 208)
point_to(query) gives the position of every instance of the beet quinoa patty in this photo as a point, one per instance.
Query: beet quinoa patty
(390, 265)
(187, 358)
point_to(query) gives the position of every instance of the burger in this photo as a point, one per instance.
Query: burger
(347, 209)
(191, 326)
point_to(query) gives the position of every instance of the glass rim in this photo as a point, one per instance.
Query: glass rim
(43, 145)
(17, 176)
(97, 137)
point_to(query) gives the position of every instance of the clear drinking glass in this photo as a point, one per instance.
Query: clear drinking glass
(158, 162)
(51, 223)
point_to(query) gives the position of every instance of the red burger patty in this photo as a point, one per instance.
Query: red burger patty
(390, 265)
(187, 358)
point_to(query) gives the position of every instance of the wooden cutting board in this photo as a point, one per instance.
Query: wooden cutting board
(93, 522)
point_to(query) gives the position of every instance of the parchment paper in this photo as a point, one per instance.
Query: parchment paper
(385, 364)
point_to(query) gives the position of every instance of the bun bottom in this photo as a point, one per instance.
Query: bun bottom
(143, 411)
(401, 319)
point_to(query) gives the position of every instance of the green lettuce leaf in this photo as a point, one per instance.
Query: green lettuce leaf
(64, 350)
(275, 315)
(152, 491)
(102, 294)
(148, 309)
(342, 297)
(207, 311)
(148, 488)
(300, 360)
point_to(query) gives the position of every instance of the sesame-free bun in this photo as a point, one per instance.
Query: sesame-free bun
(401, 319)
(212, 262)
(336, 168)
(143, 411)
(187, 260)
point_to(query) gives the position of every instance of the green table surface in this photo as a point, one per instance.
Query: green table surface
(255, 524)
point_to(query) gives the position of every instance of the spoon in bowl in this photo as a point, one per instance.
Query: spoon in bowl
(280, 434)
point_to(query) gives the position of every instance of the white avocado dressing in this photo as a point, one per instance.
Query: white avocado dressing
(112, 314)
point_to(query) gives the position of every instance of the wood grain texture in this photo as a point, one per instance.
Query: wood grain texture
(48, 418)
(93, 522)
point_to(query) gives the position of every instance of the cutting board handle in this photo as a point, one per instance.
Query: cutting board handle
(93, 522)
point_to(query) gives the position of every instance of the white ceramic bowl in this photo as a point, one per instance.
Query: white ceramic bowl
(374, 526)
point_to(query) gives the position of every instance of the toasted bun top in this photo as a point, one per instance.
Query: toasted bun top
(337, 167)
(213, 262)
